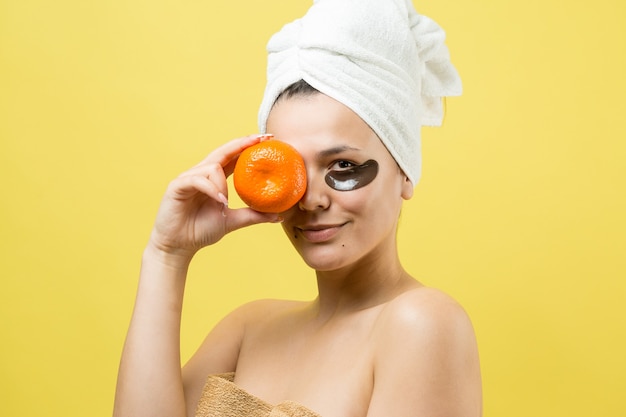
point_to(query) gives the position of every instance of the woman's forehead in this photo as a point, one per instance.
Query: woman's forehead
(320, 122)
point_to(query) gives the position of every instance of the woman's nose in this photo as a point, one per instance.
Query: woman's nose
(316, 195)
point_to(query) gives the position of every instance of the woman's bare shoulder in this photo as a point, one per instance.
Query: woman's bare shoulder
(425, 318)
(425, 308)
(425, 346)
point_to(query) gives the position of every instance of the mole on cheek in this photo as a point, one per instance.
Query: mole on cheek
(353, 178)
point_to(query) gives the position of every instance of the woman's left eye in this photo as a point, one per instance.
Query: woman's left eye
(348, 176)
(339, 165)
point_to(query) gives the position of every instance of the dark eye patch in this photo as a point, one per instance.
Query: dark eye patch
(354, 177)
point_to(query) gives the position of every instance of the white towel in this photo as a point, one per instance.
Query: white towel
(379, 58)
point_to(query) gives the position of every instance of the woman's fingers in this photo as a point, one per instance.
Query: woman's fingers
(243, 217)
(227, 152)
(213, 172)
(220, 163)
(187, 187)
(194, 212)
(229, 167)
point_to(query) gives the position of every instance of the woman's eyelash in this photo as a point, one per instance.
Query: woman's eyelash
(343, 164)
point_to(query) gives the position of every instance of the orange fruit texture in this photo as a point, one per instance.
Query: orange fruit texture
(270, 176)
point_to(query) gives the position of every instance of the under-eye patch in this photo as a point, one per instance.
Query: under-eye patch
(353, 177)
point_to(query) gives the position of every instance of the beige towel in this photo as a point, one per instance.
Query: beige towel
(222, 398)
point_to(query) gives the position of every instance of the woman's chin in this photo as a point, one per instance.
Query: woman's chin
(326, 260)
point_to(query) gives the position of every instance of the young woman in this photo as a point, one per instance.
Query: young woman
(375, 342)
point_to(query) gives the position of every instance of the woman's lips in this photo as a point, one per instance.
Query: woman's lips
(321, 233)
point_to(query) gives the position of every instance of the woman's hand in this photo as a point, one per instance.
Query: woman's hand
(194, 211)
(193, 214)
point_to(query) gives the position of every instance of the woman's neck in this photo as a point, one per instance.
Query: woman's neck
(361, 286)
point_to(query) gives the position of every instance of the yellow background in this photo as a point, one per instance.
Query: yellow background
(520, 213)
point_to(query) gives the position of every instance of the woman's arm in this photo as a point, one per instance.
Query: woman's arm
(427, 360)
(149, 380)
(193, 214)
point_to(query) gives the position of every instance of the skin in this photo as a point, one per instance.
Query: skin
(375, 342)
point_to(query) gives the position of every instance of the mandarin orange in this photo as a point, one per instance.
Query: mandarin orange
(270, 176)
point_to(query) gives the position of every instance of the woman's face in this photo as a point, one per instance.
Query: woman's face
(354, 187)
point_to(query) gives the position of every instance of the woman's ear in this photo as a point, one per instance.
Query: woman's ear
(407, 188)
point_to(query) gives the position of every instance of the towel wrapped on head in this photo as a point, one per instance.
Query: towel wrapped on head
(379, 58)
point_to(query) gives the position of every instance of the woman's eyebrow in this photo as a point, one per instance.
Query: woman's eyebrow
(336, 150)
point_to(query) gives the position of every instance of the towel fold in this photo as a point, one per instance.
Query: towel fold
(222, 398)
(379, 58)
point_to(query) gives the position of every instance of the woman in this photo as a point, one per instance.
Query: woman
(375, 342)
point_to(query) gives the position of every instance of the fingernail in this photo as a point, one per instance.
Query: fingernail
(223, 199)
(224, 202)
(278, 219)
(266, 136)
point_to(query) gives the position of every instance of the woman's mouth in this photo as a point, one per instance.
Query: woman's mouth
(319, 233)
